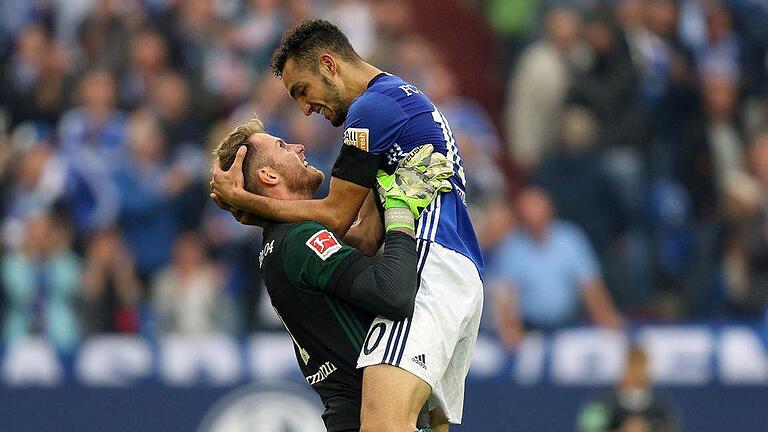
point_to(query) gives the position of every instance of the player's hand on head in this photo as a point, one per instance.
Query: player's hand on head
(229, 185)
(218, 201)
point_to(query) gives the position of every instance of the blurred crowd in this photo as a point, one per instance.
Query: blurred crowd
(641, 125)
(625, 178)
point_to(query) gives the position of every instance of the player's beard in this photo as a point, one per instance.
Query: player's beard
(335, 103)
(303, 181)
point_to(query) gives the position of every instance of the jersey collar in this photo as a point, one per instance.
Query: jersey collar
(376, 78)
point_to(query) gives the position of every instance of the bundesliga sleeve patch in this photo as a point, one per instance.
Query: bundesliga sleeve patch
(323, 244)
(358, 137)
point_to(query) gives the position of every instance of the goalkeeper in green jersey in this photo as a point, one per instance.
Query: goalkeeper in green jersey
(326, 292)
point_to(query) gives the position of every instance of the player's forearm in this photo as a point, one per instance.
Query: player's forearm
(386, 285)
(367, 233)
(322, 210)
(364, 239)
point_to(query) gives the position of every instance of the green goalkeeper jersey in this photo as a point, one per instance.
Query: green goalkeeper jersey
(313, 279)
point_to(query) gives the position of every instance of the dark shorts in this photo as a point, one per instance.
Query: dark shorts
(342, 414)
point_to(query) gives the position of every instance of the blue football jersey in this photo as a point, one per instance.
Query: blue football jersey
(392, 117)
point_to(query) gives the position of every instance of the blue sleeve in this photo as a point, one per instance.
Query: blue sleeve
(586, 267)
(374, 123)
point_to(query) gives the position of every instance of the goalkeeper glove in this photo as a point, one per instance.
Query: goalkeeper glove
(419, 177)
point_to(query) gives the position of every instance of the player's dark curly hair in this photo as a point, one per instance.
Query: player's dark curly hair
(305, 42)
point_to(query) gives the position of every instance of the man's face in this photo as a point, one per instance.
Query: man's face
(290, 164)
(535, 210)
(315, 92)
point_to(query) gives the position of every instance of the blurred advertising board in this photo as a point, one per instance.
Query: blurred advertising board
(687, 355)
(717, 374)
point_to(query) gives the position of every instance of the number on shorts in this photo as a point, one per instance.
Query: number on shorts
(382, 329)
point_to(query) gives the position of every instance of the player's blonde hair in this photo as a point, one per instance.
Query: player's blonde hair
(226, 151)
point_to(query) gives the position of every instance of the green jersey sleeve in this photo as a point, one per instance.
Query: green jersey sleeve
(311, 254)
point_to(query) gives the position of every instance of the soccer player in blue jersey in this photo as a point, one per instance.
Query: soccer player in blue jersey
(424, 358)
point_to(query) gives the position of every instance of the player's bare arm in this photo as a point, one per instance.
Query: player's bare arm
(337, 211)
(367, 233)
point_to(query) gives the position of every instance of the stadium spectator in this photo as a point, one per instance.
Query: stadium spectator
(111, 288)
(149, 187)
(148, 61)
(298, 11)
(466, 117)
(269, 102)
(648, 26)
(184, 134)
(721, 51)
(608, 84)
(44, 178)
(37, 80)
(411, 58)
(711, 149)
(37, 182)
(708, 152)
(221, 76)
(42, 282)
(21, 73)
(103, 37)
(581, 189)
(393, 22)
(171, 103)
(194, 27)
(236, 248)
(539, 87)
(745, 263)
(258, 31)
(634, 406)
(354, 18)
(94, 129)
(541, 271)
(585, 193)
(666, 81)
(488, 184)
(187, 295)
(54, 87)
